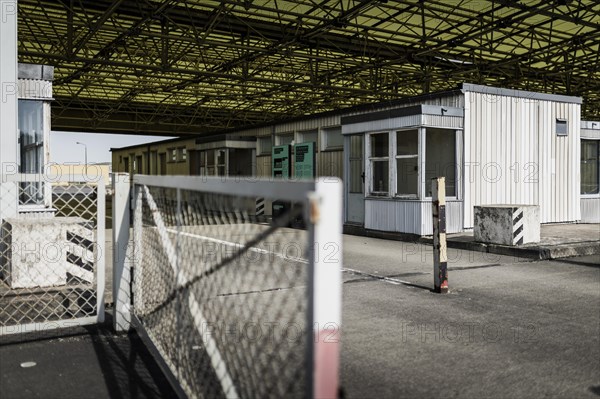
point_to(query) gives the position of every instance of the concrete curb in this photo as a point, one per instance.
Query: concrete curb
(542, 252)
(529, 252)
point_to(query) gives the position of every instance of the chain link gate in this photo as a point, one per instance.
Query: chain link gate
(229, 305)
(52, 252)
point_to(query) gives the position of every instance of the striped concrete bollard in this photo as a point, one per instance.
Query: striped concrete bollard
(260, 206)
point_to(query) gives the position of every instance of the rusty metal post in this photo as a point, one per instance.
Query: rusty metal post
(440, 259)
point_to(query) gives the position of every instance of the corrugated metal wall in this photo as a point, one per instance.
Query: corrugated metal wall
(513, 155)
(414, 217)
(560, 164)
(308, 124)
(330, 163)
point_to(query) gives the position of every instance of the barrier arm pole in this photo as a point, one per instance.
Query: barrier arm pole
(440, 259)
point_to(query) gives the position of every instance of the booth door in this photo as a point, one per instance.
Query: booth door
(355, 187)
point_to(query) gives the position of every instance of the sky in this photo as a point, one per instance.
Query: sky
(63, 147)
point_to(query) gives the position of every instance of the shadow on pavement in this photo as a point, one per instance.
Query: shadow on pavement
(95, 363)
(128, 368)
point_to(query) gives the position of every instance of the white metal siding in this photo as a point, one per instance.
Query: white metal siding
(559, 158)
(450, 100)
(445, 121)
(383, 124)
(513, 156)
(454, 217)
(590, 134)
(34, 89)
(398, 216)
(413, 217)
(590, 210)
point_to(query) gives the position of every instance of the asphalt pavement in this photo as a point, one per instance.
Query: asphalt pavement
(509, 328)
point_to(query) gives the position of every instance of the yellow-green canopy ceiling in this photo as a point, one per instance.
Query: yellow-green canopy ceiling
(197, 66)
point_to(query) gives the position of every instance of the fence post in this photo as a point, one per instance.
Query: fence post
(121, 216)
(100, 252)
(326, 288)
(440, 259)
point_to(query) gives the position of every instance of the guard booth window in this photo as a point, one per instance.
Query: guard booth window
(379, 158)
(213, 162)
(440, 158)
(407, 163)
(31, 140)
(590, 163)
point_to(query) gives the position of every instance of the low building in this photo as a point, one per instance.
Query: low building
(92, 172)
(494, 146)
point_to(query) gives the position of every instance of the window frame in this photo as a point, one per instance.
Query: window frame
(300, 137)
(33, 134)
(324, 137)
(369, 191)
(361, 156)
(394, 149)
(279, 136)
(181, 154)
(172, 154)
(457, 158)
(594, 195)
(260, 150)
(392, 158)
(138, 164)
(204, 166)
(562, 122)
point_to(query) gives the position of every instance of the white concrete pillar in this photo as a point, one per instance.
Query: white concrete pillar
(8, 116)
(8, 79)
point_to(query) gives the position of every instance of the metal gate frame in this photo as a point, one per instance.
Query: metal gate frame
(323, 198)
(99, 246)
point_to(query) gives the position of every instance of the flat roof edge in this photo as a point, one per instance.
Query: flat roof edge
(532, 95)
(591, 125)
(35, 72)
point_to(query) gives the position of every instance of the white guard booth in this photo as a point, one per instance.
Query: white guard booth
(494, 146)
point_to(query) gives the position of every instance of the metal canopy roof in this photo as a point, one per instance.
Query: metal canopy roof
(197, 66)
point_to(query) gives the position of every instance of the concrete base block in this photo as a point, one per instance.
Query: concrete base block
(507, 224)
(38, 251)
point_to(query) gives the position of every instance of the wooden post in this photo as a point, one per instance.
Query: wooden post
(440, 260)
